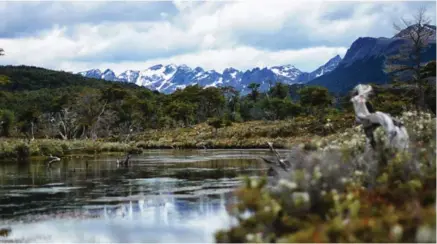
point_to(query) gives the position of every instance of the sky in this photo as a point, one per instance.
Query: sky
(81, 35)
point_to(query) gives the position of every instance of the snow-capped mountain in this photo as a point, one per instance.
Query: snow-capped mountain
(92, 73)
(109, 75)
(168, 78)
(328, 67)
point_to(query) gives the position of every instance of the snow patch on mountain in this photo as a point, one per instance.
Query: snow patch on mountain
(328, 67)
(168, 78)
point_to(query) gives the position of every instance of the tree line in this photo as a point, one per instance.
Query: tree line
(37, 102)
(42, 103)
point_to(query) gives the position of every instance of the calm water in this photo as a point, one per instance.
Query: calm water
(163, 196)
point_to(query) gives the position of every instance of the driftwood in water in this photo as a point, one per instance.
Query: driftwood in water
(281, 166)
(52, 159)
(395, 130)
(125, 161)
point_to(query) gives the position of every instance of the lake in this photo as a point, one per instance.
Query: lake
(163, 196)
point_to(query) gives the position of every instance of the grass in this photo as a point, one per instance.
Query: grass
(342, 191)
(251, 134)
(20, 149)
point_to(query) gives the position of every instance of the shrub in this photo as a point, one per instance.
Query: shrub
(22, 151)
(7, 120)
(339, 190)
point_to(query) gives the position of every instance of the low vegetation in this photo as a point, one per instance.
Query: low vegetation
(21, 150)
(343, 191)
(38, 103)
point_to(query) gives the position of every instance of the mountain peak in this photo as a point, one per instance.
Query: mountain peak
(326, 68)
(108, 71)
(337, 57)
(335, 60)
(156, 67)
(431, 29)
(168, 78)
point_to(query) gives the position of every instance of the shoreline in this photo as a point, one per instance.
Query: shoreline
(245, 135)
(13, 149)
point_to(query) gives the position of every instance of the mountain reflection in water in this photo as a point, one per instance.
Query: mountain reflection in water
(162, 197)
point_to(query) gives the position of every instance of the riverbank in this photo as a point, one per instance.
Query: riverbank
(19, 149)
(252, 134)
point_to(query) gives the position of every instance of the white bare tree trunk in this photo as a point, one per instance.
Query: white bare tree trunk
(396, 132)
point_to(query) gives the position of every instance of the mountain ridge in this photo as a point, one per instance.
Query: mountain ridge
(364, 61)
(170, 77)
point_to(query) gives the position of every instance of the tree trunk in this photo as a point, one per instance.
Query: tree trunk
(31, 131)
(421, 96)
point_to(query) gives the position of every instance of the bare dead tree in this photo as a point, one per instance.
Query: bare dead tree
(90, 108)
(417, 33)
(67, 123)
(97, 121)
(46, 125)
(126, 129)
(104, 123)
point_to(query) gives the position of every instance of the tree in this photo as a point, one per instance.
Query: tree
(429, 70)
(90, 109)
(279, 90)
(429, 74)
(277, 108)
(67, 123)
(254, 87)
(212, 102)
(7, 119)
(232, 103)
(408, 61)
(29, 118)
(315, 100)
(315, 96)
(180, 112)
(2, 52)
(216, 123)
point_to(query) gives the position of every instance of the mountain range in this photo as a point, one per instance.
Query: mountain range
(363, 62)
(168, 78)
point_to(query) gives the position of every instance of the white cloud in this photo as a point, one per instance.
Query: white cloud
(241, 58)
(214, 35)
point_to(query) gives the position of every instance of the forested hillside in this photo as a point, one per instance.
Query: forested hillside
(37, 102)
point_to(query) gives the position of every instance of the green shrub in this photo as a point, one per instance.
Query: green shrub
(7, 120)
(22, 151)
(342, 191)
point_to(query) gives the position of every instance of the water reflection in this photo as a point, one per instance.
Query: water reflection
(162, 197)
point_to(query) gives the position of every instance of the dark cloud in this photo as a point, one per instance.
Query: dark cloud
(21, 19)
(283, 39)
(114, 32)
(293, 35)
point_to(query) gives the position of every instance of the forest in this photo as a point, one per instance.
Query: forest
(40, 103)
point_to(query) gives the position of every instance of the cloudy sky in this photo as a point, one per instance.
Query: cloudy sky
(77, 36)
